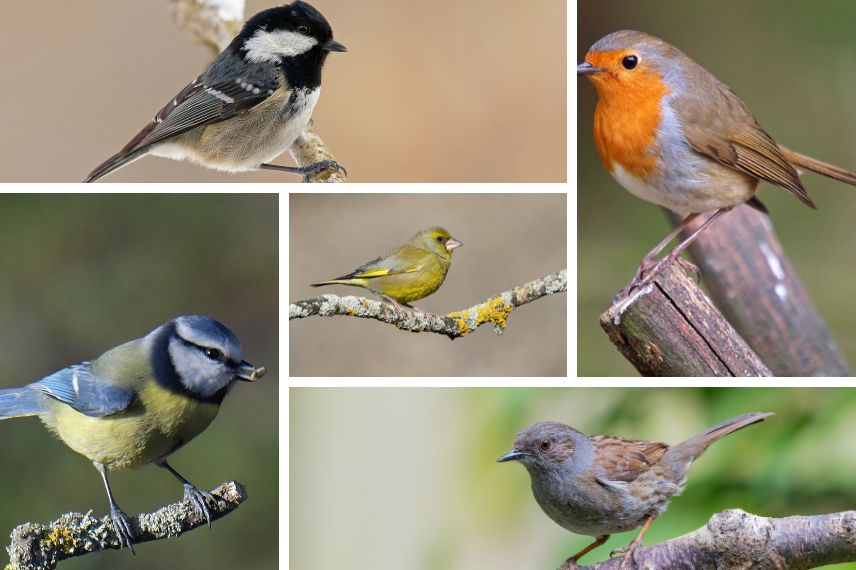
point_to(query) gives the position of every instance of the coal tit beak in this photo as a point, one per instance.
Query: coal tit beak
(333, 45)
(249, 373)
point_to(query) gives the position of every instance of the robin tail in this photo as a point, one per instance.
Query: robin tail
(690, 449)
(804, 162)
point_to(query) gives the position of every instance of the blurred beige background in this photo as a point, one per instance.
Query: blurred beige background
(407, 478)
(449, 90)
(509, 239)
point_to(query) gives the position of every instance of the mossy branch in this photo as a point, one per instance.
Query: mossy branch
(214, 23)
(735, 539)
(41, 547)
(494, 310)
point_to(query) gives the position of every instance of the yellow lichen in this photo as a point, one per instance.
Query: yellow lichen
(493, 311)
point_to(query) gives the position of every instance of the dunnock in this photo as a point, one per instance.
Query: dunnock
(599, 485)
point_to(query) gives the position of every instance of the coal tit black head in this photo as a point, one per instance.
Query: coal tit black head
(295, 30)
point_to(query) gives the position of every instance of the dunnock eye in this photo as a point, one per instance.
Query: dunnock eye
(545, 445)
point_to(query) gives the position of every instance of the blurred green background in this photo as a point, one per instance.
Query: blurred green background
(794, 63)
(509, 240)
(407, 478)
(83, 273)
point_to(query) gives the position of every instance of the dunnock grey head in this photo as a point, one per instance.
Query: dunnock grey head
(599, 485)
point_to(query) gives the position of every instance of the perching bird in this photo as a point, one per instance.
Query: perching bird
(140, 401)
(252, 102)
(408, 272)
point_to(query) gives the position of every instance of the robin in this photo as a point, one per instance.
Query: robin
(671, 133)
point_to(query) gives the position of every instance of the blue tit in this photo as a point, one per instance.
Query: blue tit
(140, 401)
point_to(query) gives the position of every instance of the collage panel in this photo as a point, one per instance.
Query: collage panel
(712, 98)
(429, 477)
(439, 274)
(129, 321)
(412, 92)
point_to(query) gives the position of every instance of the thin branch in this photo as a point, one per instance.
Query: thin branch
(735, 539)
(40, 547)
(214, 23)
(494, 310)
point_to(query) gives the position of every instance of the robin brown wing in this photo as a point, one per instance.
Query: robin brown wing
(625, 459)
(717, 124)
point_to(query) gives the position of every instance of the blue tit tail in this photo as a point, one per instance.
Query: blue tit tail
(20, 402)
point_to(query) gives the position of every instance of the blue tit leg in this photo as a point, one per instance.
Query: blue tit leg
(191, 494)
(121, 523)
(306, 171)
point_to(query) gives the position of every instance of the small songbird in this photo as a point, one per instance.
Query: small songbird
(251, 103)
(140, 401)
(600, 485)
(408, 272)
(671, 133)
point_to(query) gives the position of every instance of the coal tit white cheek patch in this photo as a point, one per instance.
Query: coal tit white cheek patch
(271, 47)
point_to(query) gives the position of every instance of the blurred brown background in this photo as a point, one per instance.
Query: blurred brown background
(509, 239)
(448, 90)
(794, 64)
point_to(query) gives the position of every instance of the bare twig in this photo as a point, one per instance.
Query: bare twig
(41, 547)
(735, 539)
(457, 324)
(670, 328)
(214, 23)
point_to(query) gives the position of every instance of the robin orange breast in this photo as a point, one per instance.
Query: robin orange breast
(671, 133)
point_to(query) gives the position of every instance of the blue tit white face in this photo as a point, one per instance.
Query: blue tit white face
(205, 354)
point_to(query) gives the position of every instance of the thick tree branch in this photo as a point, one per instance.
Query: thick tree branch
(670, 328)
(41, 547)
(457, 324)
(735, 539)
(214, 23)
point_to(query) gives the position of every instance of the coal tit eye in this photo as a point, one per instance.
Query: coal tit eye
(545, 444)
(630, 62)
(213, 354)
(303, 29)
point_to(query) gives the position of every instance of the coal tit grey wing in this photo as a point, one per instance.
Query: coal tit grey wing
(211, 98)
(81, 389)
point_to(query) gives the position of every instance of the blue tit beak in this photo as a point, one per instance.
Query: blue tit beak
(246, 372)
(333, 45)
(512, 455)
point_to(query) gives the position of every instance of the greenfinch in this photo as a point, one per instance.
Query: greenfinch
(408, 272)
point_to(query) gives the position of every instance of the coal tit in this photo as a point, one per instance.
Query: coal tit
(251, 103)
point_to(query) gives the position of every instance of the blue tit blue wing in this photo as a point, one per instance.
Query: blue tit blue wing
(81, 389)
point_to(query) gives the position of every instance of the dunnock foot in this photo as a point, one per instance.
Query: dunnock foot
(600, 485)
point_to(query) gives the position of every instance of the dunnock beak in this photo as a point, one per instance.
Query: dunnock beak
(600, 485)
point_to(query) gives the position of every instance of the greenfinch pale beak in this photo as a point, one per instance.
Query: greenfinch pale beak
(512, 455)
(249, 373)
(452, 244)
(585, 68)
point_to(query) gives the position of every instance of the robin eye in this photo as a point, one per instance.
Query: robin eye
(303, 29)
(630, 62)
(545, 445)
(213, 353)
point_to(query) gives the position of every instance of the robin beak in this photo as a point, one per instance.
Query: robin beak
(249, 373)
(512, 455)
(585, 68)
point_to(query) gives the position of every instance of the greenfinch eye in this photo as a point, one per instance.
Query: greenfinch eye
(213, 354)
(441, 239)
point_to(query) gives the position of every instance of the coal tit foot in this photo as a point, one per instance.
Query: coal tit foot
(306, 171)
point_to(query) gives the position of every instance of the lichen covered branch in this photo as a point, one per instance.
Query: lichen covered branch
(735, 539)
(214, 23)
(40, 547)
(457, 324)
